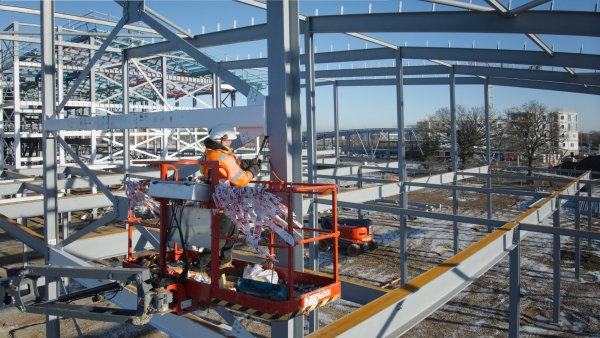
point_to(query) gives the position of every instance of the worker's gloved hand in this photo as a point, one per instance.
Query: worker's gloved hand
(245, 164)
(256, 161)
(254, 169)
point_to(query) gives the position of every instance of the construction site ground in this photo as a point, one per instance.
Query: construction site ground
(479, 310)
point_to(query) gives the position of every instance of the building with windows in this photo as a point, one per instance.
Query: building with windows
(567, 119)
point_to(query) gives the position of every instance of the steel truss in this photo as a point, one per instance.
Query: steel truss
(96, 102)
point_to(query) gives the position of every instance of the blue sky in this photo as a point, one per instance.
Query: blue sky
(371, 107)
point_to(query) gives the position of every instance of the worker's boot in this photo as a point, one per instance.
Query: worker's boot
(228, 265)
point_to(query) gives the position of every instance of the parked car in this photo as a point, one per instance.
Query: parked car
(511, 157)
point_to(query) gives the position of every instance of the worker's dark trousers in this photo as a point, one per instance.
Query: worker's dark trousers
(227, 228)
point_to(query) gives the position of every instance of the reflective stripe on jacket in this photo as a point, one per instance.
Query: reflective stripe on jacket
(237, 176)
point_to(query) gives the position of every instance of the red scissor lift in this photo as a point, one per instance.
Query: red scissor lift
(191, 294)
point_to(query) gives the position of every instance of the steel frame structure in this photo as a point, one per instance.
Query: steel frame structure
(388, 313)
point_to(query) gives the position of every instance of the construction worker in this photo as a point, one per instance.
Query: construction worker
(238, 173)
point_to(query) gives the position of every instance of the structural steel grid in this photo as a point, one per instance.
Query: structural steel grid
(384, 313)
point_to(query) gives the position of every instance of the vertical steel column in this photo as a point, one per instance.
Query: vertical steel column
(488, 150)
(165, 91)
(93, 132)
(336, 128)
(125, 85)
(49, 142)
(311, 154)
(216, 89)
(166, 131)
(347, 143)
(556, 270)
(284, 120)
(61, 93)
(577, 239)
(336, 123)
(359, 185)
(17, 101)
(589, 216)
(514, 312)
(401, 165)
(454, 155)
(65, 220)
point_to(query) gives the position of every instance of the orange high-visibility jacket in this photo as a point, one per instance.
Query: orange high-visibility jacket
(237, 176)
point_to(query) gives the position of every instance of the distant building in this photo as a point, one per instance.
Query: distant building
(567, 120)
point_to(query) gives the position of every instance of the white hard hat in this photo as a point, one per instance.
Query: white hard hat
(222, 132)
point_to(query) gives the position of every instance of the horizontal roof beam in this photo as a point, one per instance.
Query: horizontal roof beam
(225, 37)
(243, 116)
(585, 61)
(513, 73)
(58, 15)
(534, 22)
(562, 87)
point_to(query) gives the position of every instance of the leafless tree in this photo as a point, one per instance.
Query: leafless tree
(428, 141)
(470, 129)
(532, 129)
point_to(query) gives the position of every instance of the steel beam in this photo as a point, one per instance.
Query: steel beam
(311, 140)
(72, 17)
(171, 324)
(225, 37)
(585, 61)
(107, 245)
(563, 87)
(57, 43)
(89, 228)
(454, 156)
(65, 204)
(402, 308)
(375, 192)
(443, 70)
(488, 150)
(336, 123)
(403, 194)
(82, 165)
(254, 96)
(556, 267)
(514, 294)
(571, 88)
(250, 116)
(91, 64)
(50, 172)
(554, 230)
(577, 240)
(535, 22)
(284, 121)
(23, 234)
(148, 236)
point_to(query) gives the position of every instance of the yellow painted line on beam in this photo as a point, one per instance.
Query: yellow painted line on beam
(549, 198)
(393, 297)
(108, 233)
(22, 227)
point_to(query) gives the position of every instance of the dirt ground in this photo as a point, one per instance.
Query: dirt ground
(480, 310)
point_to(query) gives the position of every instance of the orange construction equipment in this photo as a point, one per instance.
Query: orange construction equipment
(356, 235)
(190, 294)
